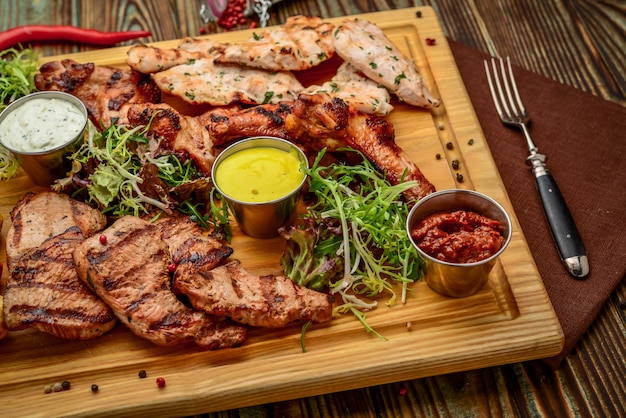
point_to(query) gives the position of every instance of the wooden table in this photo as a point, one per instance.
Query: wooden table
(586, 51)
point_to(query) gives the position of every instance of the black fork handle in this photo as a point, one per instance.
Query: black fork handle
(562, 225)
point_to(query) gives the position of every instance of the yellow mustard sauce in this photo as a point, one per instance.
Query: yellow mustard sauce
(259, 174)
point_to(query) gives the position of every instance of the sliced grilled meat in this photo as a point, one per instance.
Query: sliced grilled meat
(130, 273)
(105, 91)
(189, 246)
(44, 292)
(367, 47)
(263, 301)
(357, 90)
(39, 216)
(299, 44)
(203, 82)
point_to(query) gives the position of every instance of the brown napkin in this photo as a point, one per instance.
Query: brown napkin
(584, 138)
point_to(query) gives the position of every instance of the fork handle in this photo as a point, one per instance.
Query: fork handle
(562, 225)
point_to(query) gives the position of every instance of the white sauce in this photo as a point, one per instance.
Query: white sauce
(40, 125)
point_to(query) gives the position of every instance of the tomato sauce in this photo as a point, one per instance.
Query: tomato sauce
(459, 236)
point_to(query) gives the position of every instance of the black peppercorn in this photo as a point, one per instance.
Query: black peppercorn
(449, 145)
(418, 14)
(459, 177)
(65, 385)
(94, 388)
(470, 142)
(142, 374)
(438, 156)
(455, 164)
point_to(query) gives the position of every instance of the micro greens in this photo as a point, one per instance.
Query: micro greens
(17, 79)
(356, 224)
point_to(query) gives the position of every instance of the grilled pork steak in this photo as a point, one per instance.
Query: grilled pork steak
(38, 217)
(264, 301)
(44, 292)
(130, 273)
(188, 246)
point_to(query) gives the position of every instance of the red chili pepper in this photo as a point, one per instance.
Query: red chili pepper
(32, 33)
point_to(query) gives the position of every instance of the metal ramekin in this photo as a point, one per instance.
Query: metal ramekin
(262, 219)
(457, 279)
(43, 167)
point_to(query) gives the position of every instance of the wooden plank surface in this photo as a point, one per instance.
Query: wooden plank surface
(584, 33)
(495, 326)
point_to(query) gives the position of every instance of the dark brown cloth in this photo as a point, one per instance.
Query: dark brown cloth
(584, 138)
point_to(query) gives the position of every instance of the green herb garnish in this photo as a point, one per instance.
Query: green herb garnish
(353, 238)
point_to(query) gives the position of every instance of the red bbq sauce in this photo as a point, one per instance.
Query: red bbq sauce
(458, 237)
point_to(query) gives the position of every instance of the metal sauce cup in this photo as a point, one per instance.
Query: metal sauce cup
(45, 166)
(262, 219)
(458, 279)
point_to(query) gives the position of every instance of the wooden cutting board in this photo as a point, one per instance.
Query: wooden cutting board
(509, 320)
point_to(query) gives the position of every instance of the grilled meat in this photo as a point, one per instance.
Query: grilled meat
(38, 217)
(299, 44)
(189, 246)
(105, 91)
(44, 292)
(365, 45)
(356, 90)
(203, 82)
(318, 121)
(263, 301)
(130, 273)
(150, 59)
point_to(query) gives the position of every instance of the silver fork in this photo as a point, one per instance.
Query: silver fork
(512, 112)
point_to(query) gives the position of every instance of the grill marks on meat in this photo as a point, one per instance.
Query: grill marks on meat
(187, 136)
(264, 301)
(130, 274)
(38, 217)
(105, 91)
(44, 292)
(317, 121)
(189, 247)
(300, 43)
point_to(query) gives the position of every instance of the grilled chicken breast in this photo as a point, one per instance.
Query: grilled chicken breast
(365, 45)
(105, 91)
(355, 89)
(150, 59)
(204, 82)
(130, 273)
(38, 217)
(263, 301)
(300, 43)
(44, 292)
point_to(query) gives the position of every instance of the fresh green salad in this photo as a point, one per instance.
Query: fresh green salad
(118, 172)
(353, 239)
(17, 79)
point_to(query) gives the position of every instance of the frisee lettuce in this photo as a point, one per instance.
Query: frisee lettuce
(116, 172)
(352, 240)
